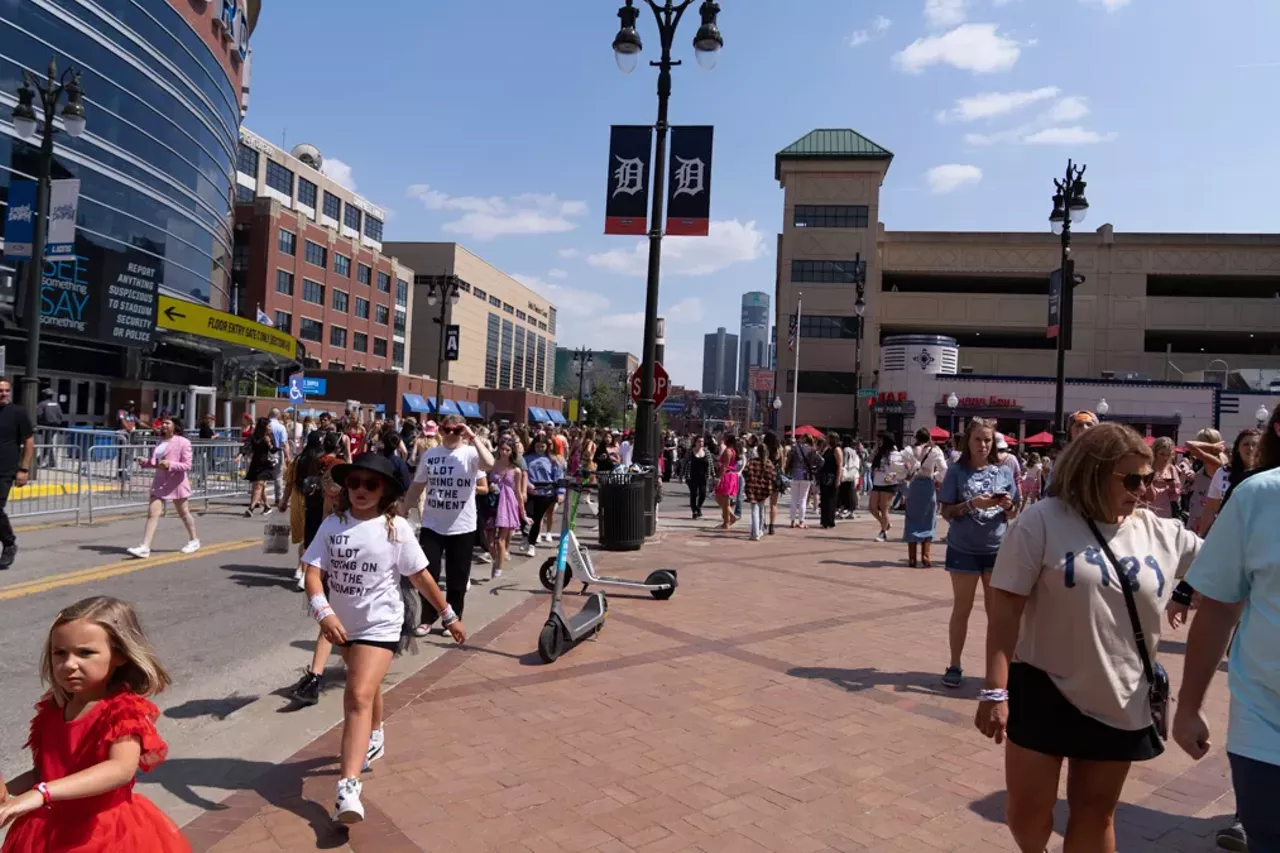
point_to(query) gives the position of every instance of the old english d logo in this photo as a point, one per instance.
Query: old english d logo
(689, 193)
(630, 148)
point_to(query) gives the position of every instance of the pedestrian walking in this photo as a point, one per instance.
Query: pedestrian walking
(129, 439)
(802, 467)
(366, 549)
(829, 475)
(50, 420)
(759, 482)
(773, 449)
(17, 452)
(507, 489)
(544, 491)
(697, 473)
(926, 468)
(850, 468)
(93, 731)
(171, 461)
(261, 450)
(280, 456)
(887, 471)
(727, 487)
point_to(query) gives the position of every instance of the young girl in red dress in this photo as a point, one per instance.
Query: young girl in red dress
(92, 732)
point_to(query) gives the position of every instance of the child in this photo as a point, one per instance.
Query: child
(92, 732)
(507, 484)
(761, 479)
(365, 549)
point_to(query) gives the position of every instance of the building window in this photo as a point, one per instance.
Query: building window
(491, 352)
(317, 254)
(542, 326)
(340, 301)
(337, 365)
(312, 291)
(831, 216)
(247, 161)
(825, 272)
(332, 206)
(1024, 285)
(402, 293)
(306, 192)
(1212, 287)
(551, 319)
(540, 377)
(244, 195)
(824, 382)
(380, 347)
(814, 326)
(520, 315)
(284, 282)
(480, 294)
(240, 257)
(279, 178)
(508, 309)
(342, 265)
(338, 337)
(530, 356)
(400, 321)
(384, 282)
(397, 355)
(517, 367)
(504, 366)
(381, 314)
(310, 330)
(373, 228)
(351, 217)
(360, 342)
(495, 301)
(287, 242)
(362, 308)
(364, 273)
(284, 322)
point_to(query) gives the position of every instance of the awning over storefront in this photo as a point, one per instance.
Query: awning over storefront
(415, 403)
(557, 417)
(470, 409)
(445, 407)
(538, 416)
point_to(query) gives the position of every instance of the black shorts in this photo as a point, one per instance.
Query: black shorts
(884, 489)
(1041, 719)
(391, 646)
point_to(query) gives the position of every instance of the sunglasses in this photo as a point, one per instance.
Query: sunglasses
(1134, 483)
(368, 484)
(454, 430)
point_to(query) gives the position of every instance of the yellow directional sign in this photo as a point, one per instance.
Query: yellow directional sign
(192, 318)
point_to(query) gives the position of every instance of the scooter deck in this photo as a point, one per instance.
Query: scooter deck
(589, 617)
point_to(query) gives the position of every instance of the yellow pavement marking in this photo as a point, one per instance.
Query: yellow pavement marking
(110, 570)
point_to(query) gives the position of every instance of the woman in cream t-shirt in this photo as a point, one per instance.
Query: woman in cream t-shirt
(1064, 677)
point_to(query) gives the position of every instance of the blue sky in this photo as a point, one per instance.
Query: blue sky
(487, 123)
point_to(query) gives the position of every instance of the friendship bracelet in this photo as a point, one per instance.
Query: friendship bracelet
(447, 616)
(1000, 695)
(318, 603)
(43, 790)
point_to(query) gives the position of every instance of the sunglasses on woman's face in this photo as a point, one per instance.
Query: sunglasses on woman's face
(453, 430)
(1134, 483)
(368, 484)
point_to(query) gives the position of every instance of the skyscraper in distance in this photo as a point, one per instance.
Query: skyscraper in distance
(720, 363)
(754, 337)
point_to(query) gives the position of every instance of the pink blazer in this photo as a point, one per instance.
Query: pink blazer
(171, 483)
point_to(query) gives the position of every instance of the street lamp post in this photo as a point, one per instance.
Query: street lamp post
(859, 309)
(1069, 207)
(25, 122)
(582, 358)
(1261, 416)
(952, 402)
(447, 290)
(627, 47)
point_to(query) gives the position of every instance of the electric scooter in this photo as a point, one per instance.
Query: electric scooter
(561, 632)
(661, 583)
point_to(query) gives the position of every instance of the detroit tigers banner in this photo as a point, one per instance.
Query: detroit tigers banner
(630, 153)
(689, 177)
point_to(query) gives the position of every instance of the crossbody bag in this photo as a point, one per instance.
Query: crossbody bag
(1157, 678)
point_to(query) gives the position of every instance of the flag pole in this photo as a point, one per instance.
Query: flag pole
(795, 383)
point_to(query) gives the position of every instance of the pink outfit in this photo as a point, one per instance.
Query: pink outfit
(171, 484)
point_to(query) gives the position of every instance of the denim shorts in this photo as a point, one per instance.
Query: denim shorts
(969, 564)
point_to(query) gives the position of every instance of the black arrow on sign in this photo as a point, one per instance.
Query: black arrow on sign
(173, 314)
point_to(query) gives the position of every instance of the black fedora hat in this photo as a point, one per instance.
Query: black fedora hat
(375, 462)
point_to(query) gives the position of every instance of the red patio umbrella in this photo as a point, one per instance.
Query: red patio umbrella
(1040, 439)
(938, 433)
(810, 431)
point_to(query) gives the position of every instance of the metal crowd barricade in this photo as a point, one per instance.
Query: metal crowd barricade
(83, 471)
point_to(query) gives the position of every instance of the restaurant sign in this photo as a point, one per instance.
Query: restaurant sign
(992, 402)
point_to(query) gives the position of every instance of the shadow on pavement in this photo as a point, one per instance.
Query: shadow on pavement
(867, 564)
(218, 709)
(857, 680)
(260, 576)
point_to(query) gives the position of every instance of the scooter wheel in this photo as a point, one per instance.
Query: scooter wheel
(659, 578)
(547, 574)
(550, 642)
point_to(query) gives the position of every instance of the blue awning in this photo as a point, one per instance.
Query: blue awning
(415, 403)
(470, 409)
(557, 417)
(447, 407)
(538, 416)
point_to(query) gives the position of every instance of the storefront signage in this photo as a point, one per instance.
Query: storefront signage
(537, 309)
(235, 25)
(193, 318)
(991, 402)
(891, 397)
(104, 296)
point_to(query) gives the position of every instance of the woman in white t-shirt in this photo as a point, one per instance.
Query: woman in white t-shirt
(1245, 454)
(1064, 676)
(363, 551)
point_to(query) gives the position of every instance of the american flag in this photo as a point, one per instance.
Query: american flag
(791, 334)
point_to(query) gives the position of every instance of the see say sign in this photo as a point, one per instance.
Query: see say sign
(661, 384)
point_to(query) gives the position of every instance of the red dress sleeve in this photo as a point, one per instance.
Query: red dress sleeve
(130, 715)
(44, 707)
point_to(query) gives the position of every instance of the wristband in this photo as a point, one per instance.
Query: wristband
(447, 616)
(320, 608)
(43, 790)
(1000, 695)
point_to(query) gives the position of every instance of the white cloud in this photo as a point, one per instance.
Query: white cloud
(687, 310)
(943, 14)
(989, 105)
(568, 253)
(1072, 108)
(878, 27)
(881, 24)
(568, 300)
(951, 177)
(1067, 136)
(859, 37)
(557, 273)
(730, 242)
(1110, 5)
(969, 47)
(485, 218)
(338, 172)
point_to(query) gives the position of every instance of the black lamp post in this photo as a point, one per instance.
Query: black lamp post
(627, 47)
(445, 289)
(859, 309)
(1069, 206)
(25, 122)
(583, 359)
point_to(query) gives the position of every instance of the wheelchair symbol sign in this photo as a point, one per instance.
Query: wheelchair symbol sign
(296, 394)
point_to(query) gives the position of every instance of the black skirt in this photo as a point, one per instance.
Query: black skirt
(1041, 719)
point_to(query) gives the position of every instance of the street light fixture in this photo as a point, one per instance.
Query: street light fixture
(1069, 207)
(627, 47)
(1261, 416)
(25, 122)
(582, 357)
(952, 402)
(447, 290)
(1103, 408)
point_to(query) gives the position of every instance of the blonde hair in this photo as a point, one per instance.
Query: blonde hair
(1209, 435)
(1082, 475)
(141, 673)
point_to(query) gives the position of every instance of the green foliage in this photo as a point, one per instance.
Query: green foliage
(604, 408)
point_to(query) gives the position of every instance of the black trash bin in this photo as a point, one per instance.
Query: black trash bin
(622, 510)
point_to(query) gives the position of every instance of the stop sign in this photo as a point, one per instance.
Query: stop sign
(661, 384)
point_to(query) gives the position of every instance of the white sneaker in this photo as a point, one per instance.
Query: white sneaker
(377, 748)
(482, 557)
(422, 631)
(468, 584)
(139, 551)
(349, 809)
(529, 550)
(299, 582)
(267, 512)
(497, 573)
(191, 547)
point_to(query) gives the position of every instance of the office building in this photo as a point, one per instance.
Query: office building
(507, 330)
(1152, 306)
(309, 255)
(753, 337)
(720, 363)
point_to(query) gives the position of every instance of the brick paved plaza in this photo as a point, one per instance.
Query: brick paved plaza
(786, 699)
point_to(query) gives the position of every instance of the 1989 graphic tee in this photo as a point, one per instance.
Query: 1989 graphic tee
(450, 477)
(364, 568)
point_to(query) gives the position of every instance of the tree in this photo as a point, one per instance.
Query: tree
(603, 407)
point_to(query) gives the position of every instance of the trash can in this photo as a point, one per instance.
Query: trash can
(622, 510)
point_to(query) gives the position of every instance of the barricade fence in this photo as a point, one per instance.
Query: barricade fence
(80, 472)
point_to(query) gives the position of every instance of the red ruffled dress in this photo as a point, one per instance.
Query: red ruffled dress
(113, 822)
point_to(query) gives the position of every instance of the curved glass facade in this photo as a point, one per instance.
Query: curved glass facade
(157, 160)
